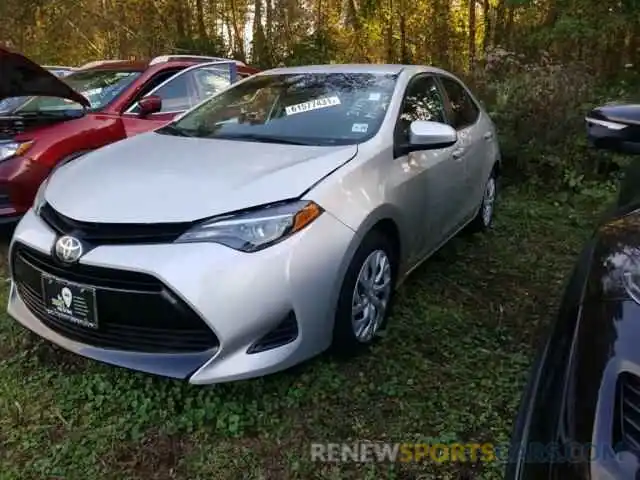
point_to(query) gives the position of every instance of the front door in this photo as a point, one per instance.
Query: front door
(432, 177)
(180, 93)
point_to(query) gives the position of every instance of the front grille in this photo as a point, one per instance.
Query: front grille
(113, 233)
(626, 430)
(12, 125)
(136, 312)
(5, 201)
(286, 332)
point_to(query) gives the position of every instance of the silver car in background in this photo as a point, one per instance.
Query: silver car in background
(265, 225)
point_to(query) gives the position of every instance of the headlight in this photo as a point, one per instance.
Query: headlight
(38, 202)
(606, 124)
(631, 278)
(12, 149)
(255, 230)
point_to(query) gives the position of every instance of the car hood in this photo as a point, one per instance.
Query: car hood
(157, 178)
(19, 77)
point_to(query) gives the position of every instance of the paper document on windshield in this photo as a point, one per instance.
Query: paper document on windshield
(312, 105)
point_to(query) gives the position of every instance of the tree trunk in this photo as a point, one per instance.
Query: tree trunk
(404, 52)
(237, 30)
(259, 43)
(202, 29)
(389, 35)
(510, 24)
(442, 33)
(269, 20)
(319, 16)
(500, 25)
(472, 33)
(633, 45)
(486, 18)
(179, 19)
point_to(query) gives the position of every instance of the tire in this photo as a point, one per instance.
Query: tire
(349, 336)
(483, 221)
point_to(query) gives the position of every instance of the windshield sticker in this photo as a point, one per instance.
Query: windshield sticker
(312, 105)
(93, 91)
(375, 97)
(360, 127)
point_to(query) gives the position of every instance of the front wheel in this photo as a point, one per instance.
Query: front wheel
(366, 294)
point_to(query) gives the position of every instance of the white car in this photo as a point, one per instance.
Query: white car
(265, 225)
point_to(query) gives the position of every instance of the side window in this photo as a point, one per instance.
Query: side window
(176, 95)
(423, 101)
(151, 84)
(463, 108)
(190, 88)
(209, 81)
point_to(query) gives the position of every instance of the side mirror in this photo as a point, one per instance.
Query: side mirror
(424, 135)
(149, 105)
(615, 127)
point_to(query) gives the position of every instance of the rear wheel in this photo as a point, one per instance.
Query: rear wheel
(484, 219)
(366, 294)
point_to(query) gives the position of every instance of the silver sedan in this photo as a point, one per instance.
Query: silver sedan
(265, 225)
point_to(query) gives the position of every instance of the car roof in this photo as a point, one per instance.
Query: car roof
(389, 69)
(141, 65)
(58, 67)
(116, 65)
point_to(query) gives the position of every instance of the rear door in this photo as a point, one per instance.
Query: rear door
(473, 142)
(180, 93)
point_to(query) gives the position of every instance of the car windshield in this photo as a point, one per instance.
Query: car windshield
(9, 104)
(295, 108)
(99, 86)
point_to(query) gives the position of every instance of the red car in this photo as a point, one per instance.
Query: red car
(94, 106)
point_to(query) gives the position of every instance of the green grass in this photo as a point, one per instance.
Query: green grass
(452, 366)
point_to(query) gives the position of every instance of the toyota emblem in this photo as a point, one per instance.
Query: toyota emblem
(69, 249)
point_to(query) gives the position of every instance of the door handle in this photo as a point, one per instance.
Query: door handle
(458, 153)
(488, 136)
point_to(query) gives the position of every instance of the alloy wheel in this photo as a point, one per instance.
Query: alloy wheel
(371, 296)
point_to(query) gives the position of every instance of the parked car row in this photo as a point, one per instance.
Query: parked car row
(197, 219)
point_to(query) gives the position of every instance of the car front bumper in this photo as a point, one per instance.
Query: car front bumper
(240, 296)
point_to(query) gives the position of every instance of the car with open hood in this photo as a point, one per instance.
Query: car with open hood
(579, 417)
(13, 103)
(265, 225)
(89, 108)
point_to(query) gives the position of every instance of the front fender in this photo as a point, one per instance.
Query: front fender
(541, 407)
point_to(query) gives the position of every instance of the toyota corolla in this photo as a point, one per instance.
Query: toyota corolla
(263, 226)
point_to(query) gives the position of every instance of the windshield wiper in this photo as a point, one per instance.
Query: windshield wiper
(173, 130)
(48, 113)
(252, 137)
